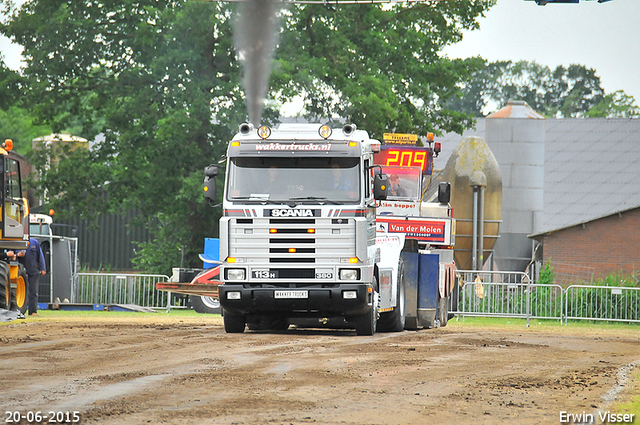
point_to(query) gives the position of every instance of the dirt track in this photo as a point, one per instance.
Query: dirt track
(186, 370)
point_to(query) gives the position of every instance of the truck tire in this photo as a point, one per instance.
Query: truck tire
(5, 286)
(366, 323)
(206, 305)
(233, 324)
(22, 290)
(394, 321)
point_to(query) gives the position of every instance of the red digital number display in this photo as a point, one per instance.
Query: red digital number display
(404, 156)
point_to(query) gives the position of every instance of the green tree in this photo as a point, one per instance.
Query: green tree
(615, 105)
(149, 76)
(377, 66)
(10, 86)
(574, 91)
(159, 80)
(18, 125)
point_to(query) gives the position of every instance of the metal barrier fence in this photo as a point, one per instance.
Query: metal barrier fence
(477, 293)
(119, 288)
(506, 294)
(512, 294)
(606, 303)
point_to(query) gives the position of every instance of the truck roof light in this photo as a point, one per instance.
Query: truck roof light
(273, 230)
(353, 144)
(231, 260)
(235, 144)
(8, 144)
(353, 260)
(429, 137)
(437, 148)
(264, 132)
(293, 250)
(325, 132)
(311, 230)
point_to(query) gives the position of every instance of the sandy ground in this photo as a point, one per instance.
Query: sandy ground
(186, 370)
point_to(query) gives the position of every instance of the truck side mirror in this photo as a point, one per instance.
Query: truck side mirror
(210, 189)
(380, 186)
(210, 173)
(444, 192)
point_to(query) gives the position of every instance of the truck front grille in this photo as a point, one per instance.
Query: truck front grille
(289, 243)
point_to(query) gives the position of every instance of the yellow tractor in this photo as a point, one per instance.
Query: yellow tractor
(14, 232)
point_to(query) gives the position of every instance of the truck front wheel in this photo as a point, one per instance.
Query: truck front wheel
(5, 286)
(22, 290)
(366, 323)
(233, 324)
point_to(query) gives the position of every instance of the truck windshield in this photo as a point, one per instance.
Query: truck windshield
(38, 229)
(334, 180)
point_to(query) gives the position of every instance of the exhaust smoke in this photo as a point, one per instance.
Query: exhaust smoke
(256, 32)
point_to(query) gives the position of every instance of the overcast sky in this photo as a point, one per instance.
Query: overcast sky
(602, 36)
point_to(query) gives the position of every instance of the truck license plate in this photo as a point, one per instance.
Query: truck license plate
(291, 294)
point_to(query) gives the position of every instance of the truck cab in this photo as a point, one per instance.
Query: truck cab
(298, 235)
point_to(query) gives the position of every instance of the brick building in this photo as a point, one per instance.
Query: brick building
(594, 249)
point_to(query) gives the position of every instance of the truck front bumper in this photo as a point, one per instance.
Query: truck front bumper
(337, 300)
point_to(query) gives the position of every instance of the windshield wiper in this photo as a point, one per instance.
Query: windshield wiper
(314, 198)
(254, 198)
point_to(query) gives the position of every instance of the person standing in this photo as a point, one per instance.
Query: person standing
(33, 261)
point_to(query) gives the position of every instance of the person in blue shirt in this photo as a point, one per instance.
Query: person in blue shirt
(33, 261)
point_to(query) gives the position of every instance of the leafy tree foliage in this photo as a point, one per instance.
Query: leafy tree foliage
(562, 92)
(20, 126)
(9, 85)
(615, 105)
(159, 81)
(378, 67)
(148, 76)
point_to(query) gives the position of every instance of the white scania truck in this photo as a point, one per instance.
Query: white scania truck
(301, 243)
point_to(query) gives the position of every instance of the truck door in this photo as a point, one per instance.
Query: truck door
(13, 208)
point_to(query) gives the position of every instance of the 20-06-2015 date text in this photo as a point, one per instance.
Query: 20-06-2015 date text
(36, 417)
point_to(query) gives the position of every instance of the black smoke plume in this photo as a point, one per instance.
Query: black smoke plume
(256, 33)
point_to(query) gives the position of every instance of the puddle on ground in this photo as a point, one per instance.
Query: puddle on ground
(81, 401)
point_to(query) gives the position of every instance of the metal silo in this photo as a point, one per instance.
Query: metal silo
(473, 164)
(516, 136)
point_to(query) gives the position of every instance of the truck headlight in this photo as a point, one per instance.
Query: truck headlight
(235, 274)
(349, 274)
